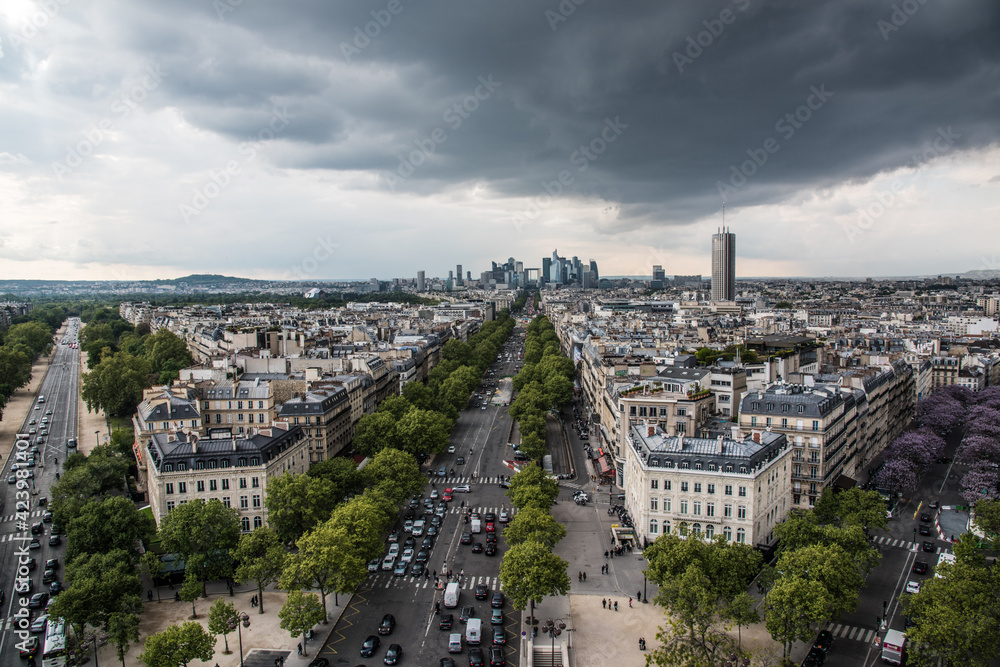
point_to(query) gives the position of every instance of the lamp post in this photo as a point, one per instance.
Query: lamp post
(736, 661)
(97, 437)
(242, 621)
(555, 628)
(645, 600)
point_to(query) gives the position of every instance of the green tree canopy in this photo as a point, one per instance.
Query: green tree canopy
(530, 485)
(793, 608)
(396, 473)
(297, 503)
(99, 584)
(205, 529)
(534, 524)
(374, 433)
(301, 612)
(260, 558)
(115, 384)
(178, 645)
(222, 619)
(108, 524)
(529, 572)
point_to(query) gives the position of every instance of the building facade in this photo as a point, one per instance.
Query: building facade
(325, 418)
(723, 265)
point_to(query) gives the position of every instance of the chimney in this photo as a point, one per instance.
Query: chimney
(650, 430)
(736, 432)
(680, 442)
(756, 437)
(722, 446)
(194, 442)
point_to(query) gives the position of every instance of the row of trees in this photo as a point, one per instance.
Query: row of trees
(981, 446)
(544, 382)
(124, 360)
(20, 346)
(529, 570)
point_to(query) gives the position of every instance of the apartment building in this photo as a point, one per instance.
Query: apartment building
(240, 405)
(890, 395)
(167, 408)
(325, 418)
(706, 487)
(945, 371)
(231, 467)
(728, 383)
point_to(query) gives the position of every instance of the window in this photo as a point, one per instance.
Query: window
(255, 460)
(653, 527)
(729, 490)
(666, 484)
(218, 418)
(201, 487)
(755, 406)
(225, 485)
(182, 466)
(631, 410)
(169, 467)
(801, 409)
(225, 501)
(784, 423)
(741, 536)
(684, 487)
(727, 533)
(642, 411)
(743, 492)
(711, 488)
(753, 421)
(741, 512)
(239, 416)
(697, 487)
(199, 465)
(212, 485)
(170, 505)
(727, 511)
(257, 522)
(664, 412)
(653, 504)
(654, 484)
(245, 524)
(242, 461)
(666, 504)
(709, 509)
(239, 405)
(697, 508)
(244, 502)
(784, 407)
(684, 507)
(696, 529)
(170, 488)
(213, 464)
(770, 407)
(182, 487)
(243, 482)
(256, 501)
(767, 421)
(815, 425)
(224, 463)
(260, 405)
(255, 482)
(709, 531)
(682, 412)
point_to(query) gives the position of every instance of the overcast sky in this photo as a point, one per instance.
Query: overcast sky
(334, 139)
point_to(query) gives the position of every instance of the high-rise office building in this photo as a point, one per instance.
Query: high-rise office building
(458, 275)
(421, 282)
(723, 265)
(546, 269)
(658, 273)
(593, 270)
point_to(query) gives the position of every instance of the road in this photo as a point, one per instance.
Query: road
(411, 600)
(17, 581)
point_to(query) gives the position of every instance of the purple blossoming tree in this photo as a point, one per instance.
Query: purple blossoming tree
(921, 448)
(982, 481)
(897, 475)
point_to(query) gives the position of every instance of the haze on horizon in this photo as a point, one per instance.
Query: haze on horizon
(146, 140)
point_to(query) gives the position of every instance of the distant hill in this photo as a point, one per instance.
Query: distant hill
(209, 279)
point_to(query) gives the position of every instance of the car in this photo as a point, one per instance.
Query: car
(34, 544)
(432, 530)
(422, 556)
(408, 525)
(466, 537)
(490, 517)
(369, 646)
(491, 549)
(434, 495)
(925, 518)
(393, 549)
(824, 641)
(445, 621)
(447, 495)
(48, 412)
(427, 542)
(436, 520)
(477, 547)
(934, 504)
(409, 542)
(442, 472)
(12, 479)
(925, 530)
(55, 588)
(473, 515)
(499, 636)
(466, 613)
(460, 461)
(38, 626)
(54, 540)
(38, 601)
(414, 503)
(407, 556)
(400, 569)
(319, 662)
(462, 488)
(446, 662)
(38, 528)
(24, 586)
(504, 483)
(387, 624)
(428, 503)
(928, 546)
(48, 576)
(482, 591)
(504, 517)
(393, 654)
(913, 587)
(496, 617)
(57, 529)
(476, 654)
(388, 563)
(373, 565)
(451, 449)
(497, 601)
(32, 564)
(29, 647)
(815, 658)
(23, 506)
(32, 422)
(920, 567)
(47, 517)
(496, 657)
(417, 569)
(491, 538)
(490, 527)
(394, 536)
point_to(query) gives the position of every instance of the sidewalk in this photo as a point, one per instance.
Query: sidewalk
(19, 404)
(88, 423)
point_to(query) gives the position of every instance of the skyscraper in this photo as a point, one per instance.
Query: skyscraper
(723, 265)
(658, 273)
(458, 275)
(421, 282)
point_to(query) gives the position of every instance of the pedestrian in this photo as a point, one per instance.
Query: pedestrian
(149, 594)
(585, 576)
(638, 596)
(605, 554)
(579, 576)
(604, 603)
(277, 662)
(630, 603)
(616, 605)
(435, 575)
(300, 648)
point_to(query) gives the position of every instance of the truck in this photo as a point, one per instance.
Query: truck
(451, 595)
(476, 526)
(893, 646)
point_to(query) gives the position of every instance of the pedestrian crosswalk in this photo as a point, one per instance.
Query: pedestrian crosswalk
(469, 582)
(455, 480)
(13, 517)
(854, 632)
(905, 544)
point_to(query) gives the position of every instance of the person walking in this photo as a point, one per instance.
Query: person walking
(630, 603)
(604, 603)
(585, 576)
(605, 554)
(616, 605)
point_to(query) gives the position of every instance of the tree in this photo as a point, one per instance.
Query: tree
(107, 524)
(676, 648)
(792, 609)
(559, 389)
(801, 530)
(342, 472)
(315, 564)
(853, 507)
(981, 482)
(897, 475)
(423, 431)
(987, 518)
(100, 584)
(532, 482)
(115, 384)
(830, 566)
(166, 353)
(301, 612)
(207, 529)
(152, 564)
(374, 433)
(529, 572)
(533, 445)
(123, 630)
(534, 524)
(742, 612)
(178, 645)
(397, 472)
(297, 503)
(222, 618)
(260, 558)
(191, 588)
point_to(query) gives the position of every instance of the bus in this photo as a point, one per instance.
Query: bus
(54, 649)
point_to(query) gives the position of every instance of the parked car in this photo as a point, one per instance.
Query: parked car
(499, 636)
(496, 657)
(824, 641)
(496, 617)
(912, 587)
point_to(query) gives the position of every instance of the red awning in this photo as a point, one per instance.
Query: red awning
(603, 467)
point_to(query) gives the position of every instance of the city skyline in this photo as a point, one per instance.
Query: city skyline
(144, 141)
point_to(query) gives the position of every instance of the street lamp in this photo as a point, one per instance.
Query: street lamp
(97, 438)
(645, 599)
(241, 621)
(736, 661)
(555, 628)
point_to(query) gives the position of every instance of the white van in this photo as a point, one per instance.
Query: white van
(455, 642)
(475, 526)
(418, 527)
(473, 632)
(451, 594)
